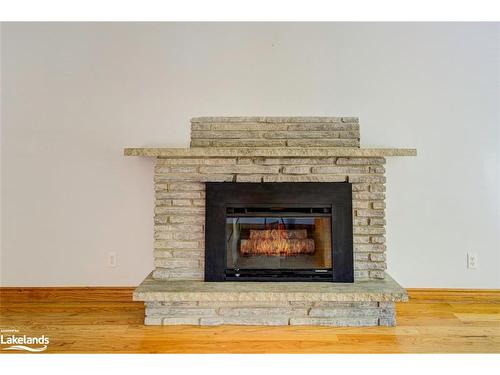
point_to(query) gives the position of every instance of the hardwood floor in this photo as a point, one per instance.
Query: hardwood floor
(105, 320)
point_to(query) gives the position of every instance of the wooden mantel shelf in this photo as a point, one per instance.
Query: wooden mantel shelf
(305, 152)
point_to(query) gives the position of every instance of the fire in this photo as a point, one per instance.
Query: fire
(277, 242)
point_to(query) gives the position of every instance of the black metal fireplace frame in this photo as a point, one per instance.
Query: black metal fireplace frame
(221, 195)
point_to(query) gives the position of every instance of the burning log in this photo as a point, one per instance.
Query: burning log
(277, 242)
(274, 234)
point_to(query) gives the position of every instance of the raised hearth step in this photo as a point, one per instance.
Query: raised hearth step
(386, 290)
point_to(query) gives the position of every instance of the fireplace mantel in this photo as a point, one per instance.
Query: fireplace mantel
(303, 152)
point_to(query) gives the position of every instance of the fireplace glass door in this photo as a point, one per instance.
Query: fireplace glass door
(284, 240)
(283, 231)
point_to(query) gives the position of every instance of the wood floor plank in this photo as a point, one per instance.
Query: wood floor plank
(106, 320)
(478, 317)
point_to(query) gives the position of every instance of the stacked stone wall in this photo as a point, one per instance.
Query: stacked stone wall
(180, 205)
(270, 313)
(275, 132)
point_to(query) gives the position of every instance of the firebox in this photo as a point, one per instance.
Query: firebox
(278, 232)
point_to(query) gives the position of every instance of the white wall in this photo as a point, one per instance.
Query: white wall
(74, 95)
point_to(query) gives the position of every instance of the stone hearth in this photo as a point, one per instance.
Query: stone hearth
(259, 150)
(362, 303)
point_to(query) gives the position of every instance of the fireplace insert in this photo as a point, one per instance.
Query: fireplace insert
(278, 232)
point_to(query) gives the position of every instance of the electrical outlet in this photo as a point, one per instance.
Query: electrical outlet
(112, 259)
(471, 261)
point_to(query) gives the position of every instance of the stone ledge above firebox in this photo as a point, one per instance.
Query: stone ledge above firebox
(387, 290)
(298, 152)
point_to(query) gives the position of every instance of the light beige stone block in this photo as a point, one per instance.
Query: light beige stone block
(250, 304)
(241, 169)
(248, 126)
(361, 275)
(173, 244)
(152, 321)
(188, 253)
(361, 256)
(357, 239)
(309, 134)
(360, 265)
(370, 213)
(177, 274)
(368, 230)
(366, 178)
(296, 169)
(162, 253)
(322, 143)
(361, 204)
(167, 210)
(304, 178)
(337, 305)
(388, 322)
(240, 134)
(238, 143)
(193, 161)
(188, 234)
(336, 322)
(360, 161)
(377, 257)
(181, 202)
(368, 196)
(200, 219)
(262, 311)
(324, 127)
(163, 235)
(366, 247)
(339, 169)
(377, 169)
(376, 274)
(386, 305)
(180, 311)
(198, 202)
(193, 321)
(249, 178)
(185, 186)
(251, 321)
(175, 169)
(176, 263)
(193, 177)
(163, 202)
(198, 126)
(377, 221)
(245, 161)
(294, 161)
(360, 221)
(172, 304)
(377, 188)
(272, 119)
(378, 205)
(360, 187)
(377, 239)
(331, 312)
(178, 194)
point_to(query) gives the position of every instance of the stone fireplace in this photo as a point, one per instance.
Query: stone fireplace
(263, 199)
